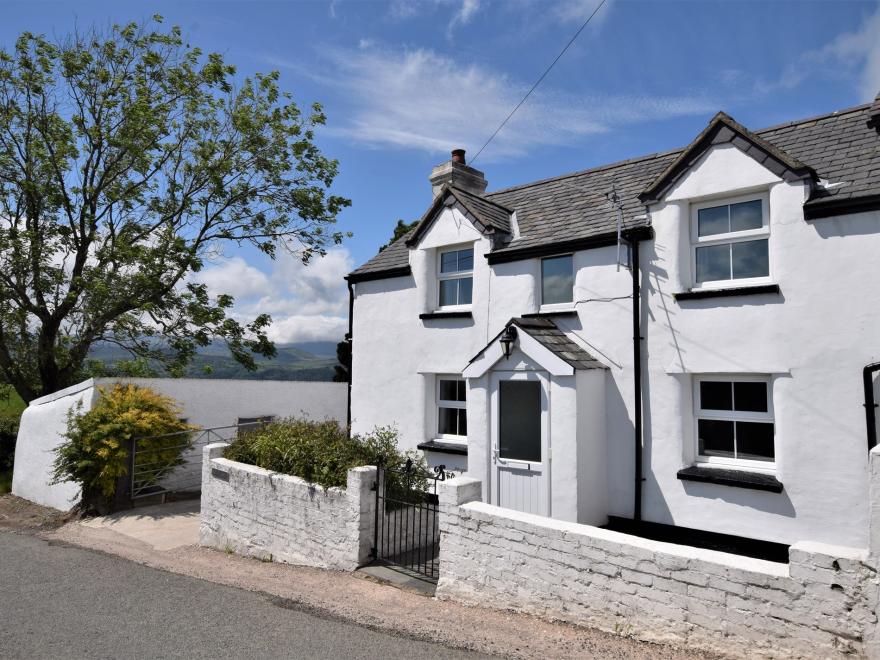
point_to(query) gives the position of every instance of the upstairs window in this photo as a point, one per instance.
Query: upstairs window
(451, 408)
(731, 241)
(735, 421)
(456, 277)
(557, 280)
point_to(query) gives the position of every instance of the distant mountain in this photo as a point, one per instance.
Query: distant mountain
(299, 361)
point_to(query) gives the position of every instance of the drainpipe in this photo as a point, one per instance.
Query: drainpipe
(349, 339)
(870, 404)
(637, 377)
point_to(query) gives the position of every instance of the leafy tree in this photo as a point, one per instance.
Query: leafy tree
(128, 158)
(400, 231)
(342, 371)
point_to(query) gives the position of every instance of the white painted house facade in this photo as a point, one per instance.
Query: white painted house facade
(498, 335)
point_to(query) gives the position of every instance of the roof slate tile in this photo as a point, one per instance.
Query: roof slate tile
(840, 147)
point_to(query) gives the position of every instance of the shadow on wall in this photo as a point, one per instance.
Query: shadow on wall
(861, 224)
(388, 285)
(776, 503)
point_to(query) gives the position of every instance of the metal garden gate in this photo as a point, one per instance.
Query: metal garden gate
(407, 524)
(171, 463)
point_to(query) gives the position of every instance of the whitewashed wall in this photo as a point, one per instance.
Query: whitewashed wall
(42, 424)
(814, 340)
(204, 402)
(822, 604)
(263, 514)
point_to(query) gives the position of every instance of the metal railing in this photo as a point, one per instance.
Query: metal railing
(172, 462)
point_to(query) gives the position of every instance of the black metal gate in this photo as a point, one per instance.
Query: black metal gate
(407, 524)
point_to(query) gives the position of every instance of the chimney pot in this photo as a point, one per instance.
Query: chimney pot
(456, 172)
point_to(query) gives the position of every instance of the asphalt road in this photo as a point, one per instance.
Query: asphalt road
(63, 602)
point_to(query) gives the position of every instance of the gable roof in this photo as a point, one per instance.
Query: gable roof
(488, 215)
(722, 129)
(548, 337)
(572, 211)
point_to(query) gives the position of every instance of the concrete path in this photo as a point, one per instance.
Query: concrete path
(161, 526)
(64, 602)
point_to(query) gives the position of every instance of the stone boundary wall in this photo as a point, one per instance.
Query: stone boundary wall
(259, 513)
(822, 604)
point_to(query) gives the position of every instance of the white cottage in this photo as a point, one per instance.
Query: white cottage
(678, 339)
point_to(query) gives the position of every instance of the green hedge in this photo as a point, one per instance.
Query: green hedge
(319, 452)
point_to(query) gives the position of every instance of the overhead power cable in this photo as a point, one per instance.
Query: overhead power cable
(540, 80)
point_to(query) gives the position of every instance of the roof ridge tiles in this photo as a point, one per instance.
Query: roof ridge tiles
(590, 170)
(670, 152)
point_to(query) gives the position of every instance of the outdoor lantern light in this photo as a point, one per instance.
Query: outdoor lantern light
(508, 338)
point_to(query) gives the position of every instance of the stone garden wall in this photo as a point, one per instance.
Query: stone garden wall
(819, 605)
(255, 512)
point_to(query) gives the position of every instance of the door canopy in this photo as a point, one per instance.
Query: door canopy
(541, 340)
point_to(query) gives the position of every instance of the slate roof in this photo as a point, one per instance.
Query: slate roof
(548, 334)
(395, 257)
(839, 148)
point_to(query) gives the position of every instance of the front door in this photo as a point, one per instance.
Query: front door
(521, 442)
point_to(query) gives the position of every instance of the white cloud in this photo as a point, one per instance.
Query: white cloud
(577, 11)
(465, 13)
(858, 52)
(851, 56)
(425, 100)
(307, 303)
(233, 276)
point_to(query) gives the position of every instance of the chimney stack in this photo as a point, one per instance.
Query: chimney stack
(456, 172)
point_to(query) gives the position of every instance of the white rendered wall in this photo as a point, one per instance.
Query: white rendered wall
(813, 340)
(41, 430)
(204, 402)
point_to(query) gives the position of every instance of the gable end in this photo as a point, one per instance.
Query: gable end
(724, 130)
(487, 216)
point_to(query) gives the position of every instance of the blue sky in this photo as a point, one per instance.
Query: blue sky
(405, 81)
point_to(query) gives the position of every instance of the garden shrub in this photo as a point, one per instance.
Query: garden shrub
(8, 435)
(96, 453)
(319, 452)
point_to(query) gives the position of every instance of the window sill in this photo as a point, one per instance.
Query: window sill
(545, 313)
(735, 478)
(699, 294)
(457, 448)
(446, 315)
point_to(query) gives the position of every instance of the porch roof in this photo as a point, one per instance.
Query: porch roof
(548, 337)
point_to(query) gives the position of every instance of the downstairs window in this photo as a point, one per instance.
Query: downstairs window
(734, 420)
(451, 409)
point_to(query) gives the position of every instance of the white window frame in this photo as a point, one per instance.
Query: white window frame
(555, 306)
(734, 416)
(444, 403)
(698, 241)
(457, 275)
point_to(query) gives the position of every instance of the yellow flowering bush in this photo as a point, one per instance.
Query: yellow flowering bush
(96, 453)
